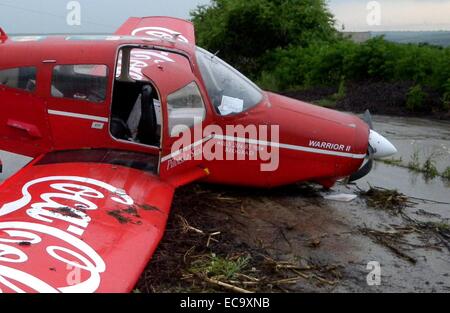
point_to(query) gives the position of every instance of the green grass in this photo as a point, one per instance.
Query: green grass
(393, 161)
(215, 266)
(429, 168)
(440, 226)
(414, 163)
(446, 173)
(326, 103)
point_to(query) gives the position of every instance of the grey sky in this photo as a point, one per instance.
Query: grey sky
(395, 14)
(49, 16)
(105, 16)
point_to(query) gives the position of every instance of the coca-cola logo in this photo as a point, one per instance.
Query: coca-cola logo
(140, 59)
(159, 32)
(76, 195)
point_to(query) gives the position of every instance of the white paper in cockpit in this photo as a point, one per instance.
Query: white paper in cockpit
(231, 105)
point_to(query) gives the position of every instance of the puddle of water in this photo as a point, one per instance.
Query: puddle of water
(410, 135)
(413, 134)
(411, 184)
(12, 163)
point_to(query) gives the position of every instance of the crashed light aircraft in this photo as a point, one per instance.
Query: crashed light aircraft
(102, 118)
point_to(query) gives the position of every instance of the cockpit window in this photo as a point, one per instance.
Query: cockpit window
(230, 91)
(20, 78)
(80, 82)
(186, 108)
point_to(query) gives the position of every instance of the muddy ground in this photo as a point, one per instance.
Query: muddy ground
(388, 98)
(296, 241)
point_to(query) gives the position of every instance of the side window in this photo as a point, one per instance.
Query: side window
(186, 108)
(80, 82)
(20, 78)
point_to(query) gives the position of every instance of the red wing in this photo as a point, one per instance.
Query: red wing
(159, 26)
(80, 226)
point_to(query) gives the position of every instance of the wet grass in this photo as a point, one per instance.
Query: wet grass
(428, 168)
(441, 227)
(391, 201)
(220, 267)
(433, 234)
(393, 161)
(446, 173)
(414, 163)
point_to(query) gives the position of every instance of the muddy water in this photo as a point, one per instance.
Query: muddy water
(426, 138)
(411, 135)
(432, 270)
(11, 164)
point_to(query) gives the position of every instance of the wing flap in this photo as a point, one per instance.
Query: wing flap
(79, 227)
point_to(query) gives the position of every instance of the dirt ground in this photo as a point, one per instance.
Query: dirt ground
(386, 98)
(293, 240)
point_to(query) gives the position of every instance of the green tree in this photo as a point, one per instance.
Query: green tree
(245, 31)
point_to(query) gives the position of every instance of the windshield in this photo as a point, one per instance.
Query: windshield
(230, 91)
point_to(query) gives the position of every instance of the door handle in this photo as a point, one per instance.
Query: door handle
(31, 129)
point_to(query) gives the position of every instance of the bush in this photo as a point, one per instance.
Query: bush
(446, 97)
(446, 173)
(244, 31)
(292, 44)
(429, 168)
(415, 98)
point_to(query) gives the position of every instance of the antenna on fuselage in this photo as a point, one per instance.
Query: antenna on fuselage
(215, 55)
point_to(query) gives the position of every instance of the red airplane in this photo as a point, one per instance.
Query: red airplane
(116, 123)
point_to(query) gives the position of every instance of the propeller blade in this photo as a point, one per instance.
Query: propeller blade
(365, 169)
(368, 119)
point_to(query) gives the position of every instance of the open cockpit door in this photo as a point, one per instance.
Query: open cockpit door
(184, 114)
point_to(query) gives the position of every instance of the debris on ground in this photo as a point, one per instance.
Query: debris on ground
(342, 197)
(393, 240)
(200, 252)
(433, 234)
(229, 239)
(387, 200)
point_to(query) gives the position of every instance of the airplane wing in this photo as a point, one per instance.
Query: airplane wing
(159, 26)
(81, 221)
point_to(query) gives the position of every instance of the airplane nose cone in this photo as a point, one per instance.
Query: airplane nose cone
(382, 147)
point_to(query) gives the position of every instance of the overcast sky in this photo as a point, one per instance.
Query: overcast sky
(395, 14)
(104, 16)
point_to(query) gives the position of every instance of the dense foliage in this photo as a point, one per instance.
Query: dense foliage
(328, 63)
(243, 32)
(293, 45)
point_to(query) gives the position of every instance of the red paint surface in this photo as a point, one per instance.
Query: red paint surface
(125, 247)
